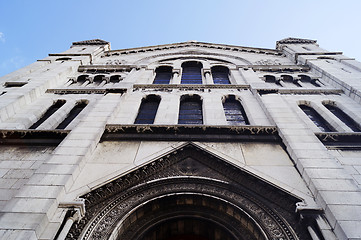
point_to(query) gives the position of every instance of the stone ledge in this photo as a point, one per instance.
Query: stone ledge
(86, 90)
(32, 137)
(345, 141)
(190, 133)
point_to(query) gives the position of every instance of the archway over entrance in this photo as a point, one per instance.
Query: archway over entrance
(189, 194)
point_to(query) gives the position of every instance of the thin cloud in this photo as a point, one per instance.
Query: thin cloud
(2, 37)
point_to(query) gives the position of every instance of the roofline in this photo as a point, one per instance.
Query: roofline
(195, 43)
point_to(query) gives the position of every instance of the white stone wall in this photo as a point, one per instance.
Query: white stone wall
(36, 180)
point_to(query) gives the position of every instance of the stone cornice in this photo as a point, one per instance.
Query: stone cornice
(276, 68)
(294, 41)
(190, 133)
(189, 86)
(108, 68)
(91, 42)
(86, 90)
(337, 140)
(32, 137)
(223, 47)
(300, 91)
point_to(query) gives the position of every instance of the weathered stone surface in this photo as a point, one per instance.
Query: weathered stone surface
(42, 178)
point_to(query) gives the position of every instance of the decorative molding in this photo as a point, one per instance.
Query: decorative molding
(91, 42)
(32, 137)
(337, 140)
(190, 133)
(86, 90)
(194, 171)
(200, 87)
(277, 68)
(300, 91)
(108, 68)
(223, 47)
(291, 40)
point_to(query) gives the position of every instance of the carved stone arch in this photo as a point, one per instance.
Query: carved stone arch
(189, 187)
(193, 54)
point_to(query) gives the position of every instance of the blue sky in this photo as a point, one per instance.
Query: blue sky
(30, 30)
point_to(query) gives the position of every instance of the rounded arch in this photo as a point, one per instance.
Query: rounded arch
(115, 78)
(99, 79)
(82, 78)
(197, 210)
(189, 183)
(231, 59)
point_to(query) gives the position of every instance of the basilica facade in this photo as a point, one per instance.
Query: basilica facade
(187, 141)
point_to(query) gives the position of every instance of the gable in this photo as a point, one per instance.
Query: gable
(197, 174)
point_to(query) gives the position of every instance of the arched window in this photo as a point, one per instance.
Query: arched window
(191, 73)
(51, 110)
(220, 75)
(99, 79)
(234, 111)
(74, 112)
(190, 110)
(163, 75)
(288, 79)
(82, 79)
(115, 79)
(317, 119)
(307, 79)
(271, 79)
(346, 119)
(148, 110)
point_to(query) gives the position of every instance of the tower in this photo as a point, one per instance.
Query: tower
(188, 140)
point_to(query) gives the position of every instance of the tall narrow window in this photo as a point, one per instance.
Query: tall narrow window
(191, 73)
(163, 75)
(72, 114)
(316, 118)
(190, 110)
(346, 119)
(148, 110)
(51, 110)
(235, 114)
(220, 75)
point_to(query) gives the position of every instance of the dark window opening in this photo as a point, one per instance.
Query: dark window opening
(115, 79)
(234, 111)
(346, 119)
(289, 79)
(220, 75)
(307, 79)
(14, 84)
(98, 79)
(271, 79)
(82, 79)
(317, 119)
(148, 110)
(51, 110)
(163, 75)
(72, 114)
(190, 111)
(191, 73)
(63, 59)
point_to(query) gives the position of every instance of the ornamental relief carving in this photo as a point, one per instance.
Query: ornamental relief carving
(190, 170)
